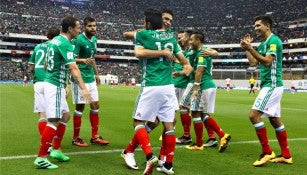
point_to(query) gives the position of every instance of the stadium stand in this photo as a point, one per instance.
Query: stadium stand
(224, 23)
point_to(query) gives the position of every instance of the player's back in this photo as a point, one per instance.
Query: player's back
(156, 71)
(38, 59)
(60, 53)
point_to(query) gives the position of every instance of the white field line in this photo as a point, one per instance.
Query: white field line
(120, 150)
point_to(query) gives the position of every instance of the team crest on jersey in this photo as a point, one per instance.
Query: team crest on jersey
(70, 55)
(272, 47)
(200, 59)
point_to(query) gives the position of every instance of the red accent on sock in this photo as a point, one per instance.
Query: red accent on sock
(132, 145)
(186, 124)
(263, 139)
(198, 128)
(94, 118)
(142, 138)
(77, 125)
(41, 127)
(169, 147)
(162, 152)
(283, 143)
(211, 123)
(46, 141)
(57, 143)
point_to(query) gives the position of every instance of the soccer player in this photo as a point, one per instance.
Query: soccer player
(180, 84)
(157, 95)
(292, 88)
(85, 49)
(228, 84)
(267, 103)
(25, 80)
(252, 84)
(133, 82)
(203, 95)
(36, 66)
(59, 60)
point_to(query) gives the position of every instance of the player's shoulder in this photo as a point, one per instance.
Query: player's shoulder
(274, 38)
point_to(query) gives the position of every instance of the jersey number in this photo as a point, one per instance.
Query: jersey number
(167, 45)
(40, 63)
(49, 59)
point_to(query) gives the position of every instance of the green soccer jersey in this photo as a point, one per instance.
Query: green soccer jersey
(85, 48)
(182, 80)
(206, 79)
(190, 54)
(156, 71)
(38, 60)
(60, 54)
(271, 76)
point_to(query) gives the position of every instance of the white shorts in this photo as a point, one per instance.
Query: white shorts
(209, 100)
(156, 101)
(179, 93)
(187, 95)
(205, 101)
(55, 99)
(39, 101)
(77, 97)
(268, 101)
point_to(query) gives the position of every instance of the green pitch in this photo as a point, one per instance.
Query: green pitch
(20, 139)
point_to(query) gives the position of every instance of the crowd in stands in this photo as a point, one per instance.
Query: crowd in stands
(222, 21)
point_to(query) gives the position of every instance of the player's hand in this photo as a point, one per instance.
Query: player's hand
(246, 42)
(88, 61)
(187, 69)
(195, 94)
(87, 96)
(248, 37)
(176, 74)
(168, 54)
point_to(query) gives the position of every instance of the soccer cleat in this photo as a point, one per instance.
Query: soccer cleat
(281, 159)
(183, 140)
(165, 170)
(160, 163)
(212, 142)
(150, 164)
(224, 142)
(264, 158)
(129, 160)
(194, 147)
(43, 163)
(79, 142)
(58, 155)
(99, 141)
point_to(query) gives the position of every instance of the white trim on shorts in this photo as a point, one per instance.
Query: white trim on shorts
(55, 98)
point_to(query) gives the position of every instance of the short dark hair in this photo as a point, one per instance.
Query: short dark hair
(53, 32)
(87, 20)
(68, 21)
(189, 32)
(168, 11)
(265, 20)
(199, 35)
(154, 17)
